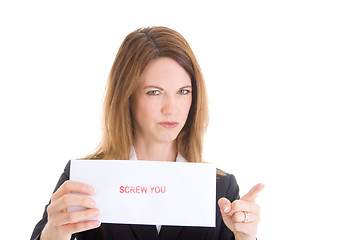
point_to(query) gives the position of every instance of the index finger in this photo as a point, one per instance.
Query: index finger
(72, 187)
(253, 193)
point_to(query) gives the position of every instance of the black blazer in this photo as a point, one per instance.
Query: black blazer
(226, 186)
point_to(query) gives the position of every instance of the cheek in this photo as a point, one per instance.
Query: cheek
(146, 108)
(186, 106)
(137, 109)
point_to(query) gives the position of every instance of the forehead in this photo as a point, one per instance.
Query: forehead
(164, 71)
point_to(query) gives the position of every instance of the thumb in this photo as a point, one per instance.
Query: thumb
(224, 205)
(253, 193)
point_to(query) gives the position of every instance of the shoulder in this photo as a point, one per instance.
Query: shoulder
(66, 172)
(64, 176)
(225, 178)
(226, 185)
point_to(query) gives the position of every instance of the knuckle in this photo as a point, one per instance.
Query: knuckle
(236, 205)
(87, 224)
(240, 202)
(67, 199)
(70, 218)
(50, 223)
(81, 226)
(49, 209)
(53, 198)
(77, 228)
(66, 184)
(53, 222)
(82, 201)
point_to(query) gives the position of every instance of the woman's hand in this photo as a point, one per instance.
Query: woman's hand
(61, 224)
(242, 216)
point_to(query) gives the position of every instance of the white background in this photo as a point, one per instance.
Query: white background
(283, 83)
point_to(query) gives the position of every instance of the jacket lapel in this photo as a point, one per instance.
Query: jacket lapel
(169, 232)
(145, 232)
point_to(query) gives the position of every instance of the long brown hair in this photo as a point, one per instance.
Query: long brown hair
(137, 50)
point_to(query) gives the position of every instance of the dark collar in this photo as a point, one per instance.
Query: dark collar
(147, 232)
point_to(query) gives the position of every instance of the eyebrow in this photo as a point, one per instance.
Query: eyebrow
(153, 87)
(187, 86)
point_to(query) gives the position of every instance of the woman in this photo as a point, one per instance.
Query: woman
(155, 109)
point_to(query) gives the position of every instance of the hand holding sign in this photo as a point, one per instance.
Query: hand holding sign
(242, 216)
(61, 223)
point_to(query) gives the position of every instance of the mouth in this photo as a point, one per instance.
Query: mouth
(169, 124)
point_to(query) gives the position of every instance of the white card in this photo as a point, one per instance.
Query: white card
(150, 192)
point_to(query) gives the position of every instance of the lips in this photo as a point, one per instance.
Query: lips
(169, 124)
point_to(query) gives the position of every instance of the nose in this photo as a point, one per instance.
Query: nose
(169, 105)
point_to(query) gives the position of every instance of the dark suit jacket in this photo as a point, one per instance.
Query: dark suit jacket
(226, 186)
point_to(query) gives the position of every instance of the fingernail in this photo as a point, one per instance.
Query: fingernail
(227, 209)
(93, 203)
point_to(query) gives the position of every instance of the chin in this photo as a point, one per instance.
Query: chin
(167, 138)
(166, 135)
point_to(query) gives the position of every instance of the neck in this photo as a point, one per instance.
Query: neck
(156, 151)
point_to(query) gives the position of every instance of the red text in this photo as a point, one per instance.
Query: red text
(142, 189)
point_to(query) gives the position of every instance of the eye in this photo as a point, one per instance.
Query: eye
(184, 91)
(153, 92)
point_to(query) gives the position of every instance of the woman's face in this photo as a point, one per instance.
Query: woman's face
(161, 103)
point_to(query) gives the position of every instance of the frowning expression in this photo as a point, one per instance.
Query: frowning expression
(161, 103)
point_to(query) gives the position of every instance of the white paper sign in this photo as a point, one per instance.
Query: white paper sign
(149, 192)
